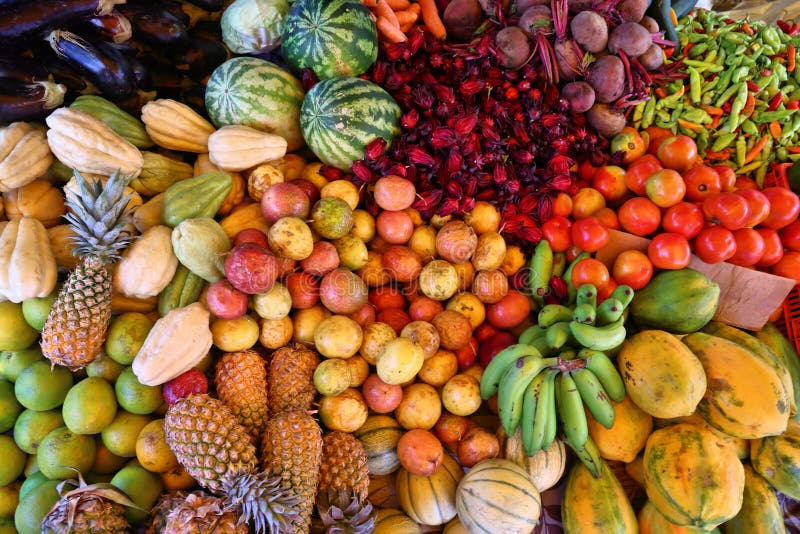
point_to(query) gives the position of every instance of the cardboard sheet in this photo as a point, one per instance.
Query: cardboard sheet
(747, 297)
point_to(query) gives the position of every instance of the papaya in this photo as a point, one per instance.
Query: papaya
(662, 376)
(741, 446)
(652, 522)
(596, 505)
(745, 397)
(786, 351)
(678, 301)
(777, 459)
(692, 477)
(761, 350)
(761, 512)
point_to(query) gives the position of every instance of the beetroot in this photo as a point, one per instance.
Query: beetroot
(461, 18)
(580, 96)
(191, 382)
(631, 38)
(513, 47)
(590, 30)
(607, 78)
(251, 268)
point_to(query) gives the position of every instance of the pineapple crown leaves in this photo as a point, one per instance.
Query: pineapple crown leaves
(357, 518)
(264, 501)
(99, 215)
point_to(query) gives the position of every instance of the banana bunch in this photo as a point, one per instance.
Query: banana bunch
(560, 365)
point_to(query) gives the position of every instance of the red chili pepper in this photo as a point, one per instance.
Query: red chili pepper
(783, 25)
(794, 30)
(726, 107)
(793, 104)
(686, 48)
(775, 101)
(753, 86)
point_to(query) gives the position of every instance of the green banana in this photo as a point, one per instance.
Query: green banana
(559, 263)
(530, 334)
(584, 313)
(558, 335)
(623, 293)
(532, 441)
(570, 410)
(609, 311)
(490, 380)
(594, 396)
(605, 337)
(512, 386)
(541, 270)
(567, 353)
(606, 372)
(571, 290)
(588, 454)
(586, 294)
(551, 314)
(547, 399)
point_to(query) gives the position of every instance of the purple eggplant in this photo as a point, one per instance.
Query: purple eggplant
(114, 27)
(105, 66)
(201, 57)
(28, 101)
(22, 70)
(155, 25)
(29, 18)
(209, 5)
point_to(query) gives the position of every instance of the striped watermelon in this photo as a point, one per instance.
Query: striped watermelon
(340, 116)
(331, 37)
(258, 94)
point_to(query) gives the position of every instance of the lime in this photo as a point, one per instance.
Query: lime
(97, 478)
(32, 465)
(31, 482)
(9, 499)
(34, 506)
(90, 406)
(13, 460)
(15, 332)
(104, 367)
(40, 388)
(12, 362)
(32, 426)
(126, 333)
(120, 436)
(152, 450)
(63, 449)
(105, 461)
(37, 309)
(142, 486)
(134, 396)
(10, 408)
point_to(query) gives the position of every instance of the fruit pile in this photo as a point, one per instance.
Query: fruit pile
(254, 312)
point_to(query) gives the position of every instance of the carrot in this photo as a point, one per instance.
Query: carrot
(431, 18)
(383, 9)
(399, 5)
(392, 33)
(756, 150)
(407, 17)
(415, 8)
(775, 129)
(790, 52)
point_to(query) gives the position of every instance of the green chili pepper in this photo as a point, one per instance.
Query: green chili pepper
(761, 173)
(741, 73)
(638, 112)
(766, 151)
(722, 141)
(696, 115)
(649, 113)
(733, 37)
(671, 100)
(725, 80)
(702, 141)
(741, 151)
(708, 86)
(737, 105)
(749, 127)
(782, 153)
(695, 85)
(698, 49)
(770, 36)
(732, 90)
(707, 65)
(750, 167)
(769, 116)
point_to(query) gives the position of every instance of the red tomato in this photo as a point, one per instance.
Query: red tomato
(589, 234)
(639, 216)
(683, 218)
(714, 244)
(773, 247)
(789, 266)
(586, 170)
(639, 171)
(669, 251)
(632, 268)
(727, 209)
(586, 201)
(608, 217)
(790, 235)
(657, 134)
(677, 152)
(665, 188)
(749, 247)
(758, 205)
(610, 181)
(701, 181)
(604, 293)
(557, 231)
(744, 182)
(784, 206)
(509, 311)
(590, 271)
(727, 177)
(630, 142)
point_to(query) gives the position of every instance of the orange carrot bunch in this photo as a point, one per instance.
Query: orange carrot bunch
(395, 18)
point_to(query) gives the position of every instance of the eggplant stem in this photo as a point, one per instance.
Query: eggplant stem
(104, 7)
(53, 93)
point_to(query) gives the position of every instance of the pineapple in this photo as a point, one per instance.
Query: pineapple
(241, 383)
(292, 450)
(193, 513)
(215, 450)
(344, 485)
(290, 380)
(75, 330)
(95, 508)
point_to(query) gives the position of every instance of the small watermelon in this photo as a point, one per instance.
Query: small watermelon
(340, 116)
(256, 93)
(331, 37)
